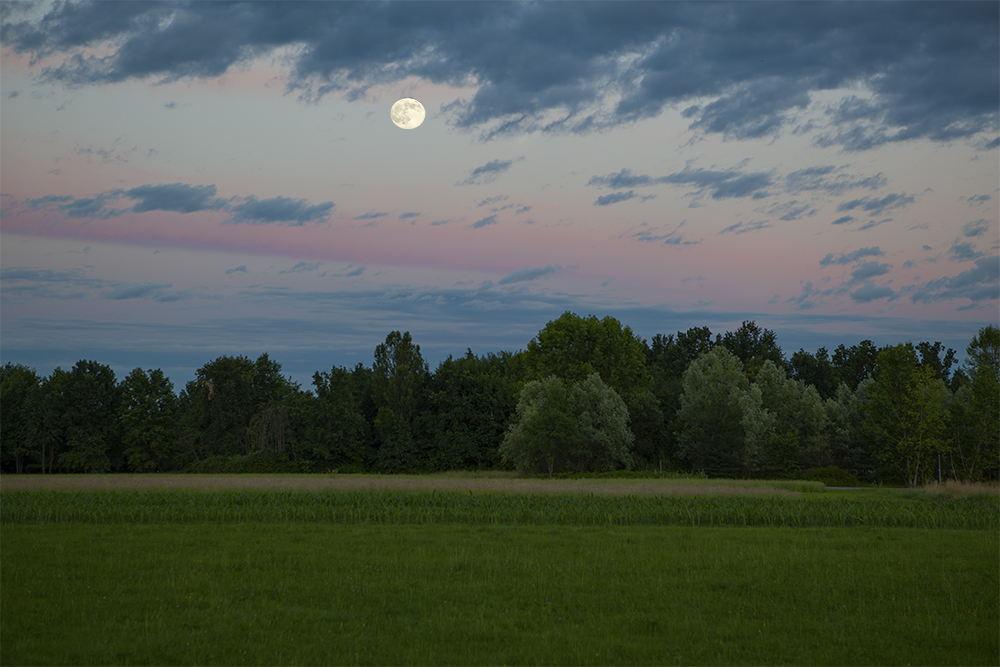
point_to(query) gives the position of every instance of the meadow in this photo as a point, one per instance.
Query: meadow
(253, 570)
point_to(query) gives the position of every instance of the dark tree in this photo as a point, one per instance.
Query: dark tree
(149, 418)
(20, 415)
(753, 346)
(89, 401)
(854, 364)
(399, 379)
(816, 370)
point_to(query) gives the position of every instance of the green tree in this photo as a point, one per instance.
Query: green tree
(149, 419)
(906, 413)
(399, 376)
(981, 453)
(847, 449)
(710, 431)
(572, 348)
(576, 427)
(473, 400)
(90, 402)
(816, 370)
(20, 414)
(332, 428)
(853, 364)
(753, 346)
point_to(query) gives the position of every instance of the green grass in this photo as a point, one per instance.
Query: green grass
(403, 507)
(314, 593)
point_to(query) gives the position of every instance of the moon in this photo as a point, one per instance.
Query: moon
(407, 113)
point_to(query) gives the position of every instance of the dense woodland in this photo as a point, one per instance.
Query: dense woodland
(586, 395)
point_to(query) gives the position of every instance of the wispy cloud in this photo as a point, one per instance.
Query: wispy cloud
(522, 275)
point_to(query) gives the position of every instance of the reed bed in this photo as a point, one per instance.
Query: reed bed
(407, 507)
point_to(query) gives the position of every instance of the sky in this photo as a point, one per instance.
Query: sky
(181, 181)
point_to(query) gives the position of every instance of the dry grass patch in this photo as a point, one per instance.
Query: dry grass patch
(477, 483)
(955, 489)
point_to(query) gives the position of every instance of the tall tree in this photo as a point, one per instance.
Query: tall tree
(572, 348)
(981, 453)
(20, 414)
(930, 356)
(710, 431)
(907, 413)
(576, 427)
(331, 427)
(816, 370)
(399, 376)
(753, 346)
(149, 419)
(853, 364)
(90, 403)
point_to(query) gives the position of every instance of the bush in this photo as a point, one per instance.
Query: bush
(832, 476)
(260, 462)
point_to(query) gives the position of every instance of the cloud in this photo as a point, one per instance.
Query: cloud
(137, 290)
(871, 292)
(850, 257)
(744, 227)
(869, 270)
(281, 210)
(721, 184)
(963, 252)
(802, 302)
(488, 220)
(673, 237)
(876, 206)
(824, 179)
(981, 283)
(241, 268)
(842, 220)
(179, 197)
(741, 70)
(488, 173)
(975, 228)
(522, 275)
(370, 216)
(615, 197)
(303, 267)
(357, 271)
(408, 214)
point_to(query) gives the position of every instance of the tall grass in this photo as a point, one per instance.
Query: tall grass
(401, 507)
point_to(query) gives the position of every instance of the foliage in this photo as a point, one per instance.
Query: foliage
(753, 346)
(851, 365)
(572, 348)
(979, 450)
(710, 429)
(330, 426)
(816, 370)
(574, 427)
(20, 413)
(86, 412)
(149, 412)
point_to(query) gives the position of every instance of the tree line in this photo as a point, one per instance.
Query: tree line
(585, 395)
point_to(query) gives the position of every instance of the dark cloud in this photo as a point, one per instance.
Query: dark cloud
(842, 220)
(855, 256)
(179, 197)
(742, 70)
(802, 301)
(871, 292)
(870, 270)
(978, 200)
(282, 210)
(409, 214)
(357, 271)
(139, 290)
(963, 252)
(971, 229)
(303, 267)
(615, 197)
(877, 205)
(237, 269)
(981, 283)
(488, 173)
(824, 179)
(721, 184)
(927, 247)
(744, 227)
(673, 237)
(488, 220)
(522, 275)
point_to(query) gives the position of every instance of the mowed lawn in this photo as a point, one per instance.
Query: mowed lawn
(457, 593)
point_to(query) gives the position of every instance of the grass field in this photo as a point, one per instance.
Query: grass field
(251, 576)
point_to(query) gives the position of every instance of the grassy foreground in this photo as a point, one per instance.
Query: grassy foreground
(392, 576)
(459, 594)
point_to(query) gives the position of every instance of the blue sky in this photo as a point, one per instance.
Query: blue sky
(185, 180)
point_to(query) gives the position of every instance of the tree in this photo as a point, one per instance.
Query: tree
(854, 364)
(710, 431)
(576, 427)
(906, 413)
(332, 427)
(20, 413)
(930, 356)
(847, 450)
(753, 346)
(981, 452)
(89, 402)
(816, 370)
(473, 400)
(572, 348)
(399, 377)
(148, 414)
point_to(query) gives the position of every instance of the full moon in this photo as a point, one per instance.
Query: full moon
(407, 113)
